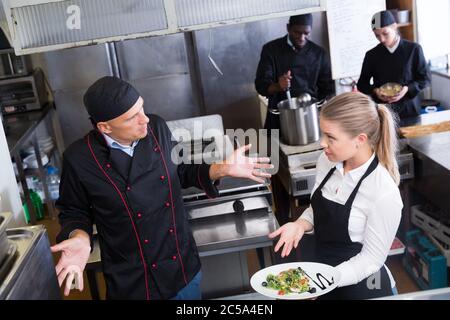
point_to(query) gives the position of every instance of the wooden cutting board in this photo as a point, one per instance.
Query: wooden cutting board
(422, 130)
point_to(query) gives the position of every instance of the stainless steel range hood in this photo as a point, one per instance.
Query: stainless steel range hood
(44, 25)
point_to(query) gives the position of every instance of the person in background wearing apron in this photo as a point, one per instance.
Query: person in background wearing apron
(355, 206)
(394, 60)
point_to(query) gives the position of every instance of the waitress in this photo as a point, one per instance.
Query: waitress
(394, 60)
(355, 206)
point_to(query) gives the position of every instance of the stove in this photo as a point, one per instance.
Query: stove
(225, 228)
(298, 166)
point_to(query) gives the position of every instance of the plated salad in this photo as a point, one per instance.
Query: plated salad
(289, 281)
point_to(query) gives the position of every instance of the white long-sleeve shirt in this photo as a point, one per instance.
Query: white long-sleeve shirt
(374, 217)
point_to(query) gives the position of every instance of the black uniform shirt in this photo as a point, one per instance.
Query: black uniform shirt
(406, 66)
(310, 70)
(147, 248)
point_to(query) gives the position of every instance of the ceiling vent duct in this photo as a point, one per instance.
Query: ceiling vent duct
(44, 25)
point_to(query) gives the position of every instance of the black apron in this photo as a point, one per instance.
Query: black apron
(334, 246)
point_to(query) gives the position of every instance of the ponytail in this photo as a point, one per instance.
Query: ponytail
(387, 146)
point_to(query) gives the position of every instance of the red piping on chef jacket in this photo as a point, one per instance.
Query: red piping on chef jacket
(171, 201)
(129, 214)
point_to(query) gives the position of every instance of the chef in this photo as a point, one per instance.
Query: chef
(121, 178)
(291, 62)
(395, 60)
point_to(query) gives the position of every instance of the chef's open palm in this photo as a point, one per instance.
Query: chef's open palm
(240, 166)
(290, 235)
(74, 256)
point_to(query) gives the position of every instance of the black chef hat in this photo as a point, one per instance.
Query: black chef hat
(301, 20)
(108, 98)
(382, 19)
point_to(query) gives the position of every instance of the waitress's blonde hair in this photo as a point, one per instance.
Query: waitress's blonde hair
(357, 113)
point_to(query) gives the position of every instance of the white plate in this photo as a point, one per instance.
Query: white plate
(312, 269)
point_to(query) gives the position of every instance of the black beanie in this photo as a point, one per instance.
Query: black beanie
(301, 20)
(382, 19)
(108, 98)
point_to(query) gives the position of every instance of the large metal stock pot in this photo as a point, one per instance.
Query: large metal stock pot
(299, 120)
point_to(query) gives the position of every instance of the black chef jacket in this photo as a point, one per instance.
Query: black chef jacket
(406, 66)
(147, 248)
(310, 70)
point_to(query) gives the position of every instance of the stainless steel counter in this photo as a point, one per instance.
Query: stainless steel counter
(436, 294)
(425, 119)
(247, 296)
(432, 161)
(435, 146)
(442, 72)
(432, 168)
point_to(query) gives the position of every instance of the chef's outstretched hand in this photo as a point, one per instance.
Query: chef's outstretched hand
(240, 166)
(74, 256)
(290, 235)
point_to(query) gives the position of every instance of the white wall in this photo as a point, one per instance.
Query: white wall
(9, 192)
(433, 27)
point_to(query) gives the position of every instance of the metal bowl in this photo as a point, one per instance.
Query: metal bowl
(391, 89)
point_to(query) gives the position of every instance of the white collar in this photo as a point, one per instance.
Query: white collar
(356, 173)
(289, 42)
(114, 144)
(392, 50)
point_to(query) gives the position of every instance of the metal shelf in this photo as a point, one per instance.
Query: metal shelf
(21, 127)
(35, 171)
(22, 130)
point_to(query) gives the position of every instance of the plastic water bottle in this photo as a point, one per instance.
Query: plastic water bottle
(37, 187)
(53, 182)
